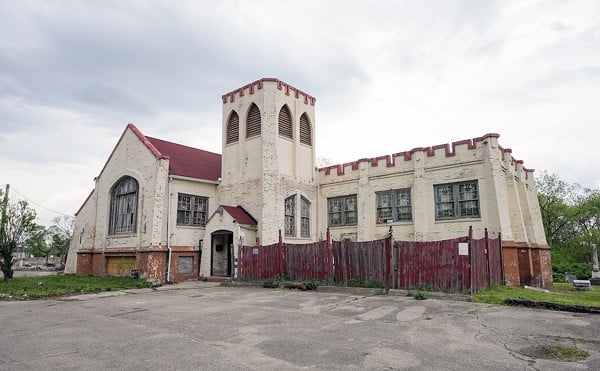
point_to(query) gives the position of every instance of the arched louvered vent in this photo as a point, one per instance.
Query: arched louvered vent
(305, 131)
(285, 123)
(253, 122)
(233, 128)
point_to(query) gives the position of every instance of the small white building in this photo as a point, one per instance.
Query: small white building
(173, 212)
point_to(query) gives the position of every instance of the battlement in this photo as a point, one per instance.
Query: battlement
(446, 150)
(258, 84)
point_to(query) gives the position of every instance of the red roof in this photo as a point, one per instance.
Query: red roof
(183, 160)
(189, 162)
(240, 215)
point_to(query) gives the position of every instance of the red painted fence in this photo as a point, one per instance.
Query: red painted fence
(365, 262)
(410, 264)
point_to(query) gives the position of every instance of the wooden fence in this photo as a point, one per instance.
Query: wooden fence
(460, 264)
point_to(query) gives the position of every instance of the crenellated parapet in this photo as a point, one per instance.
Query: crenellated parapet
(516, 165)
(454, 153)
(258, 84)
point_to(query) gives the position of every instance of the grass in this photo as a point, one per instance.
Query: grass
(566, 354)
(58, 285)
(560, 293)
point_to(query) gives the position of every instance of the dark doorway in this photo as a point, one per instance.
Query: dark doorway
(524, 267)
(221, 253)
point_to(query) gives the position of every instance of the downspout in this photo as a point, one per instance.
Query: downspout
(169, 230)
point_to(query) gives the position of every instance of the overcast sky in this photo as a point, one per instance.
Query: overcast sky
(388, 76)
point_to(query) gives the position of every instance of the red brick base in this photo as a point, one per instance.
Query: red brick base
(526, 265)
(150, 262)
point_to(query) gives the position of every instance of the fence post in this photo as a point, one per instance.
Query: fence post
(394, 263)
(471, 258)
(281, 256)
(330, 273)
(502, 278)
(487, 252)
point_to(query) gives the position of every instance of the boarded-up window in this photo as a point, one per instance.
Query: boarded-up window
(185, 265)
(233, 128)
(253, 122)
(285, 123)
(305, 130)
(123, 206)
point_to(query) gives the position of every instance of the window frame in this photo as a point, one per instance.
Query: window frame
(123, 222)
(393, 205)
(343, 210)
(197, 210)
(289, 211)
(457, 200)
(304, 217)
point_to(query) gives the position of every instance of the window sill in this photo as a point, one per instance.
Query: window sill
(458, 220)
(128, 235)
(185, 226)
(343, 226)
(403, 222)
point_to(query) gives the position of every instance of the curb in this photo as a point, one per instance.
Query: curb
(552, 306)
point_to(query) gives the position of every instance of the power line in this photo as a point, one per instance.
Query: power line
(38, 204)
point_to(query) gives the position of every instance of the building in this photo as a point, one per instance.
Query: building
(173, 212)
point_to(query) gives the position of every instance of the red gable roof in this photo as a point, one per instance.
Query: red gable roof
(240, 215)
(189, 162)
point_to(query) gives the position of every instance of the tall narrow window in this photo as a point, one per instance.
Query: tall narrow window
(290, 216)
(304, 217)
(285, 123)
(191, 210)
(123, 206)
(305, 130)
(458, 200)
(233, 128)
(253, 122)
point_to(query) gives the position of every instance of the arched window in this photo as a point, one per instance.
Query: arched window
(233, 128)
(305, 130)
(285, 123)
(290, 216)
(253, 122)
(123, 206)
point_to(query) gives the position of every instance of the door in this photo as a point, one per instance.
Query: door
(524, 267)
(221, 253)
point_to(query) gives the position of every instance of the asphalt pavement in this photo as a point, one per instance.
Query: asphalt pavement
(203, 326)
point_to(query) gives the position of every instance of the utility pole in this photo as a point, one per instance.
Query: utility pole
(4, 216)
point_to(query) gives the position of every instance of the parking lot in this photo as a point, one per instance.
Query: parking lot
(204, 326)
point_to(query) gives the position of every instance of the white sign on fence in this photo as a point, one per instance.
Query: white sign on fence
(463, 248)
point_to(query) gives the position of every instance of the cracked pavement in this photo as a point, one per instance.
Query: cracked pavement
(248, 328)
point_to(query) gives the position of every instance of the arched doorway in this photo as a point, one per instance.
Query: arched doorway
(221, 262)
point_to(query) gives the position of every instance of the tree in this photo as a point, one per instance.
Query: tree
(40, 242)
(571, 218)
(62, 233)
(18, 220)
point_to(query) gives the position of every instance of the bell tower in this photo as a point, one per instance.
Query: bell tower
(268, 158)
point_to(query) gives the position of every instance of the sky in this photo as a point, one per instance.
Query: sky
(388, 76)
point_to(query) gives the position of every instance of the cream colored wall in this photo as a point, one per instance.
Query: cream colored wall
(508, 202)
(268, 168)
(224, 221)
(84, 230)
(188, 235)
(132, 158)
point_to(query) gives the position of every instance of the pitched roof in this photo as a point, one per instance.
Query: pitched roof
(183, 160)
(240, 215)
(189, 162)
